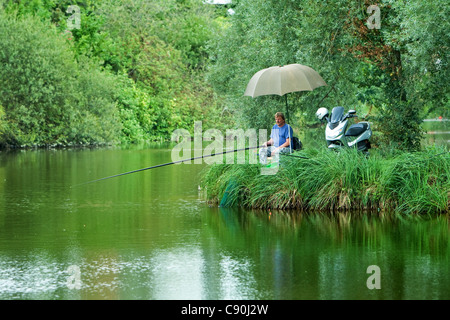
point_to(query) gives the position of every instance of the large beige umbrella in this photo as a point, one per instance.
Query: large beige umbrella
(280, 80)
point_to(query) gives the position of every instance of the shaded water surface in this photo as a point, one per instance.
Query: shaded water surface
(149, 235)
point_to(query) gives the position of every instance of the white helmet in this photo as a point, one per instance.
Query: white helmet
(321, 113)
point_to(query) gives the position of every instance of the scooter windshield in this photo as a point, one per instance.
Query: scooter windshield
(336, 114)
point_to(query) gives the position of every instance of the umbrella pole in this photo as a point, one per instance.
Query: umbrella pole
(289, 130)
(287, 110)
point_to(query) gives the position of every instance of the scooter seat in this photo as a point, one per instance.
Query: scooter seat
(356, 129)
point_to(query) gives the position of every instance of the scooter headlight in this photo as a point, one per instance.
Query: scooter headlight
(336, 132)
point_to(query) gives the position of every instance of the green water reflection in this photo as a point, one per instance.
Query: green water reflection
(150, 236)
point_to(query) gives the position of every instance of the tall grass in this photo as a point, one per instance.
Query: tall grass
(328, 181)
(419, 181)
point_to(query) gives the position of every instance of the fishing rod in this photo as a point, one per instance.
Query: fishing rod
(168, 164)
(291, 155)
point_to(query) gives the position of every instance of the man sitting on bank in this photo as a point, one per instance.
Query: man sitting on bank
(280, 138)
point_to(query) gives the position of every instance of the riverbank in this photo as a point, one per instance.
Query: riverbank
(410, 183)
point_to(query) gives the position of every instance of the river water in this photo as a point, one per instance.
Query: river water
(150, 235)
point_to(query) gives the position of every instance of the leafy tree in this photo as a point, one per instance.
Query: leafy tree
(49, 98)
(405, 54)
(152, 46)
(425, 42)
(397, 71)
(255, 37)
(159, 45)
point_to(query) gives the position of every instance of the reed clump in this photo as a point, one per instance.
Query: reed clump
(337, 181)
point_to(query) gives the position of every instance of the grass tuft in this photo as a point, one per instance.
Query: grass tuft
(409, 183)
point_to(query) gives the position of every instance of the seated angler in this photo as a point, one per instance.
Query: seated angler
(280, 139)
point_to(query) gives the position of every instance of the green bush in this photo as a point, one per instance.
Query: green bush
(155, 47)
(48, 97)
(154, 53)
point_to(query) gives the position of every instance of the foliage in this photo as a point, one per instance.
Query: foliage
(409, 183)
(423, 36)
(419, 182)
(164, 63)
(159, 45)
(247, 44)
(43, 89)
(398, 72)
(188, 62)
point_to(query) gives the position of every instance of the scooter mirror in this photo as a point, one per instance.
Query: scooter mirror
(352, 111)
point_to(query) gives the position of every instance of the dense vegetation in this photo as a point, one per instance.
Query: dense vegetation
(409, 183)
(127, 71)
(136, 70)
(396, 74)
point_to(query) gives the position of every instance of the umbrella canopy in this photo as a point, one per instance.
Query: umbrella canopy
(280, 80)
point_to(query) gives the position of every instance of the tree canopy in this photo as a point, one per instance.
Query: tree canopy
(136, 70)
(396, 72)
(129, 71)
